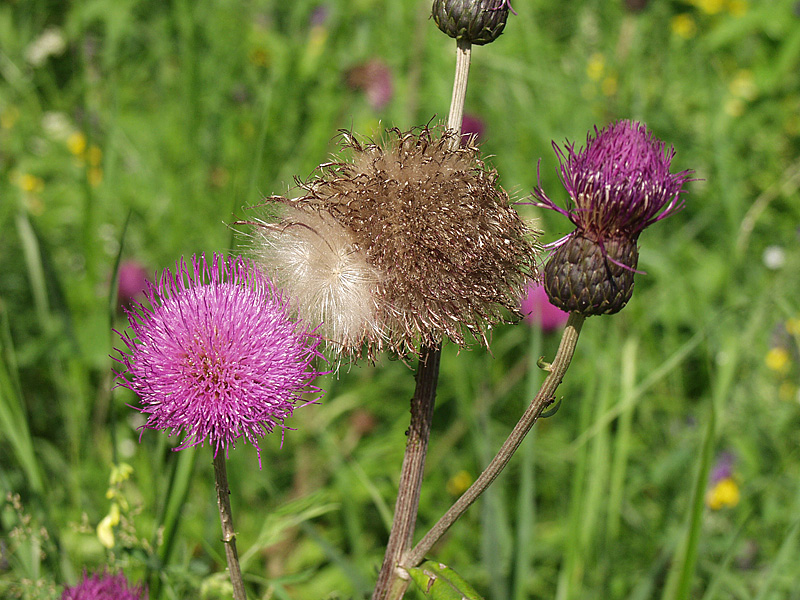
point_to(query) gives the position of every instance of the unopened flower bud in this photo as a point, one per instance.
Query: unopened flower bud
(584, 277)
(475, 21)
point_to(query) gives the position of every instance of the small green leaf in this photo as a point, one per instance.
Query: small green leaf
(440, 582)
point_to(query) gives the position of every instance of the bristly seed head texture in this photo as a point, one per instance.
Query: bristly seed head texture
(618, 185)
(215, 356)
(411, 240)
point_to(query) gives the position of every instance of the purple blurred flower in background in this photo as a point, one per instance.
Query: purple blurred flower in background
(104, 586)
(538, 310)
(319, 15)
(472, 126)
(132, 284)
(216, 356)
(375, 79)
(723, 468)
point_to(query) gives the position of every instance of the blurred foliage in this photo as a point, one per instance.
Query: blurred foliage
(177, 117)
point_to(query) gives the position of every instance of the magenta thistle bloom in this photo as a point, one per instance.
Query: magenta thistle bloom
(216, 357)
(618, 184)
(104, 586)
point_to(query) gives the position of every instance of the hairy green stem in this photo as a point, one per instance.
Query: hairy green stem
(228, 532)
(544, 398)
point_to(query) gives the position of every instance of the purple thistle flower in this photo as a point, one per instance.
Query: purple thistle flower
(216, 356)
(104, 586)
(619, 184)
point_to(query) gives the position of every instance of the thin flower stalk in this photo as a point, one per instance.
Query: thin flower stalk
(543, 398)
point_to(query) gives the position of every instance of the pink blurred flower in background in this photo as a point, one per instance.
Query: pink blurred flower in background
(472, 126)
(132, 279)
(375, 79)
(538, 311)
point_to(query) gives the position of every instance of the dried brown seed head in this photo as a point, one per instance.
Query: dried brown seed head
(451, 252)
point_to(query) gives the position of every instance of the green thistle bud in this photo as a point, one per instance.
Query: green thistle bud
(475, 21)
(581, 278)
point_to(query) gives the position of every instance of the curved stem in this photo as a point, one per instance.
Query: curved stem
(405, 512)
(228, 533)
(544, 398)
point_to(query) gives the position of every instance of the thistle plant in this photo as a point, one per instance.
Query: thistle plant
(215, 357)
(397, 246)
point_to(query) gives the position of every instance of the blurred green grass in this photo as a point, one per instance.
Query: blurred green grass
(179, 116)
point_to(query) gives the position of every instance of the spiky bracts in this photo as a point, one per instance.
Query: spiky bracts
(416, 226)
(478, 22)
(618, 185)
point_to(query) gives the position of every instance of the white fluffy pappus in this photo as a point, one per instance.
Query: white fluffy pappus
(326, 277)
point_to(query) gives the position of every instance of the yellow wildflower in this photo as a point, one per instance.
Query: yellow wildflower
(724, 493)
(30, 184)
(105, 529)
(76, 143)
(777, 359)
(683, 25)
(459, 483)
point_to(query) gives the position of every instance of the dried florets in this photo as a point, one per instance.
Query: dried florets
(433, 240)
(618, 185)
(216, 356)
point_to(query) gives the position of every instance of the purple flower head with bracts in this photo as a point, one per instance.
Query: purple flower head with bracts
(216, 356)
(618, 184)
(104, 586)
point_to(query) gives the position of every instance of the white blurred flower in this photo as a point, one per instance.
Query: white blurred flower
(50, 43)
(774, 257)
(57, 125)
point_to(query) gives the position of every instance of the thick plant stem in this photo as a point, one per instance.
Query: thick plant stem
(228, 533)
(405, 512)
(544, 398)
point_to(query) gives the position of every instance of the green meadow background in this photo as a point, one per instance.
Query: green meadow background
(141, 130)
